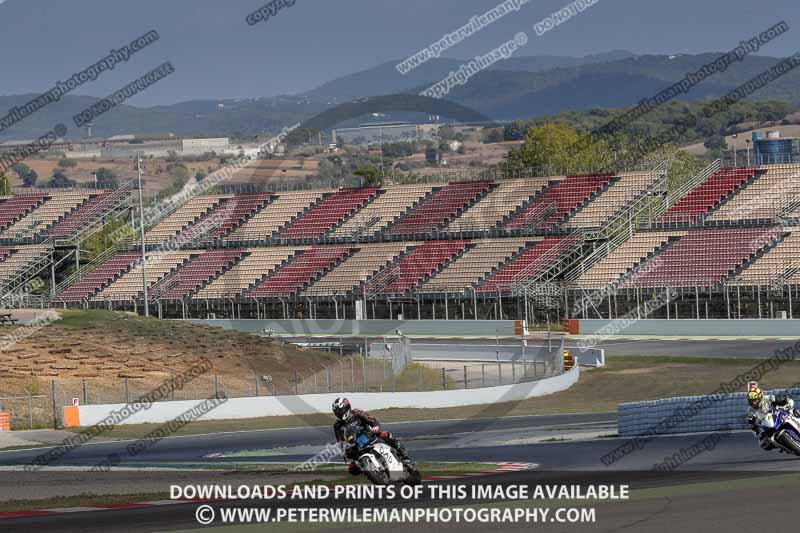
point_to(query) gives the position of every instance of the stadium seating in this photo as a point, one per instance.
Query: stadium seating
(15, 207)
(182, 218)
(159, 265)
(90, 211)
(439, 208)
(283, 210)
(776, 187)
(703, 257)
(776, 263)
(557, 202)
(303, 269)
(621, 260)
(357, 269)
(416, 266)
(527, 263)
(629, 187)
(197, 272)
(382, 211)
(244, 275)
(235, 211)
(505, 199)
(475, 265)
(58, 205)
(98, 278)
(706, 195)
(330, 211)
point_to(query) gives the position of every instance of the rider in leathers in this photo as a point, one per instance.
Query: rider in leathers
(760, 406)
(346, 415)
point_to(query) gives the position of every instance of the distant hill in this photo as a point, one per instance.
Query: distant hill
(520, 87)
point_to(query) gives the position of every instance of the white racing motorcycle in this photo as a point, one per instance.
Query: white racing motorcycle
(376, 459)
(780, 428)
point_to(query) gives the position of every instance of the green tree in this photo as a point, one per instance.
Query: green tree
(561, 149)
(67, 163)
(369, 174)
(106, 178)
(60, 179)
(5, 186)
(26, 174)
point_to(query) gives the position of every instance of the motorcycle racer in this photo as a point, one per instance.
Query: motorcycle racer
(760, 405)
(345, 415)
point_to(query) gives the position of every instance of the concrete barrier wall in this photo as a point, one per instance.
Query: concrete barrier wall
(487, 352)
(688, 414)
(237, 408)
(373, 328)
(686, 327)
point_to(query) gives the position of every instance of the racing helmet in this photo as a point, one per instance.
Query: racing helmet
(755, 397)
(342, 409)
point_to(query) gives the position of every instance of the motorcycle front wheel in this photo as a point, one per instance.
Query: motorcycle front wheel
(791, 442)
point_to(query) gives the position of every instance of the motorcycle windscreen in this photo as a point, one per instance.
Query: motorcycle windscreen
(362, 440)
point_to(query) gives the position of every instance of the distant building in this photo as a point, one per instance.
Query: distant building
(202, 146)
(772, 148)
(389, 132)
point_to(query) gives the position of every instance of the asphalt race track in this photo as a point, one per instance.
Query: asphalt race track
(516, 439)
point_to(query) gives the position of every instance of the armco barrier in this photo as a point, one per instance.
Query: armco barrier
(691, 327)
(374, 328)
(236, 408)
(674, 415)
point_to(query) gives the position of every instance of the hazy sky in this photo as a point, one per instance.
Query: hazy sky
(216, 54)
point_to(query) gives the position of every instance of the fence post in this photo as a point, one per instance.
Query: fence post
(30, 410)
(353, 373)
(295, 382)
(126, 391)
(364, 373)
(466, 383)
(483, 375)
(419, 378)
(53, 397)
(513, 372)
(499, 373)
(83, 382)
(216, 386)
(257, 386)
(444, 379)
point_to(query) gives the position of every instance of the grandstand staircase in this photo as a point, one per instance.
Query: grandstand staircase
(23, 277)
(218, 232)
(742, 186)
(441, 228)
(539, 283)
(790, 271)
(28, 209)
(288, 262)
(187, 233)
(170, 282)
(276, 236)
(362, 211)
(587, 201)
(510, 216)
(690, 184)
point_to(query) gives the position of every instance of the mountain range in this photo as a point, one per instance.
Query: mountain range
(518, 87)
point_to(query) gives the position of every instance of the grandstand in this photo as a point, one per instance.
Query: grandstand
(501, 243)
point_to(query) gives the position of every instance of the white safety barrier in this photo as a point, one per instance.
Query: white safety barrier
(260, 406)
(688, 414)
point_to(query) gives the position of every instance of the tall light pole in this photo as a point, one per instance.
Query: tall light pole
(141, 231)
(748, 151)
(734, 136)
